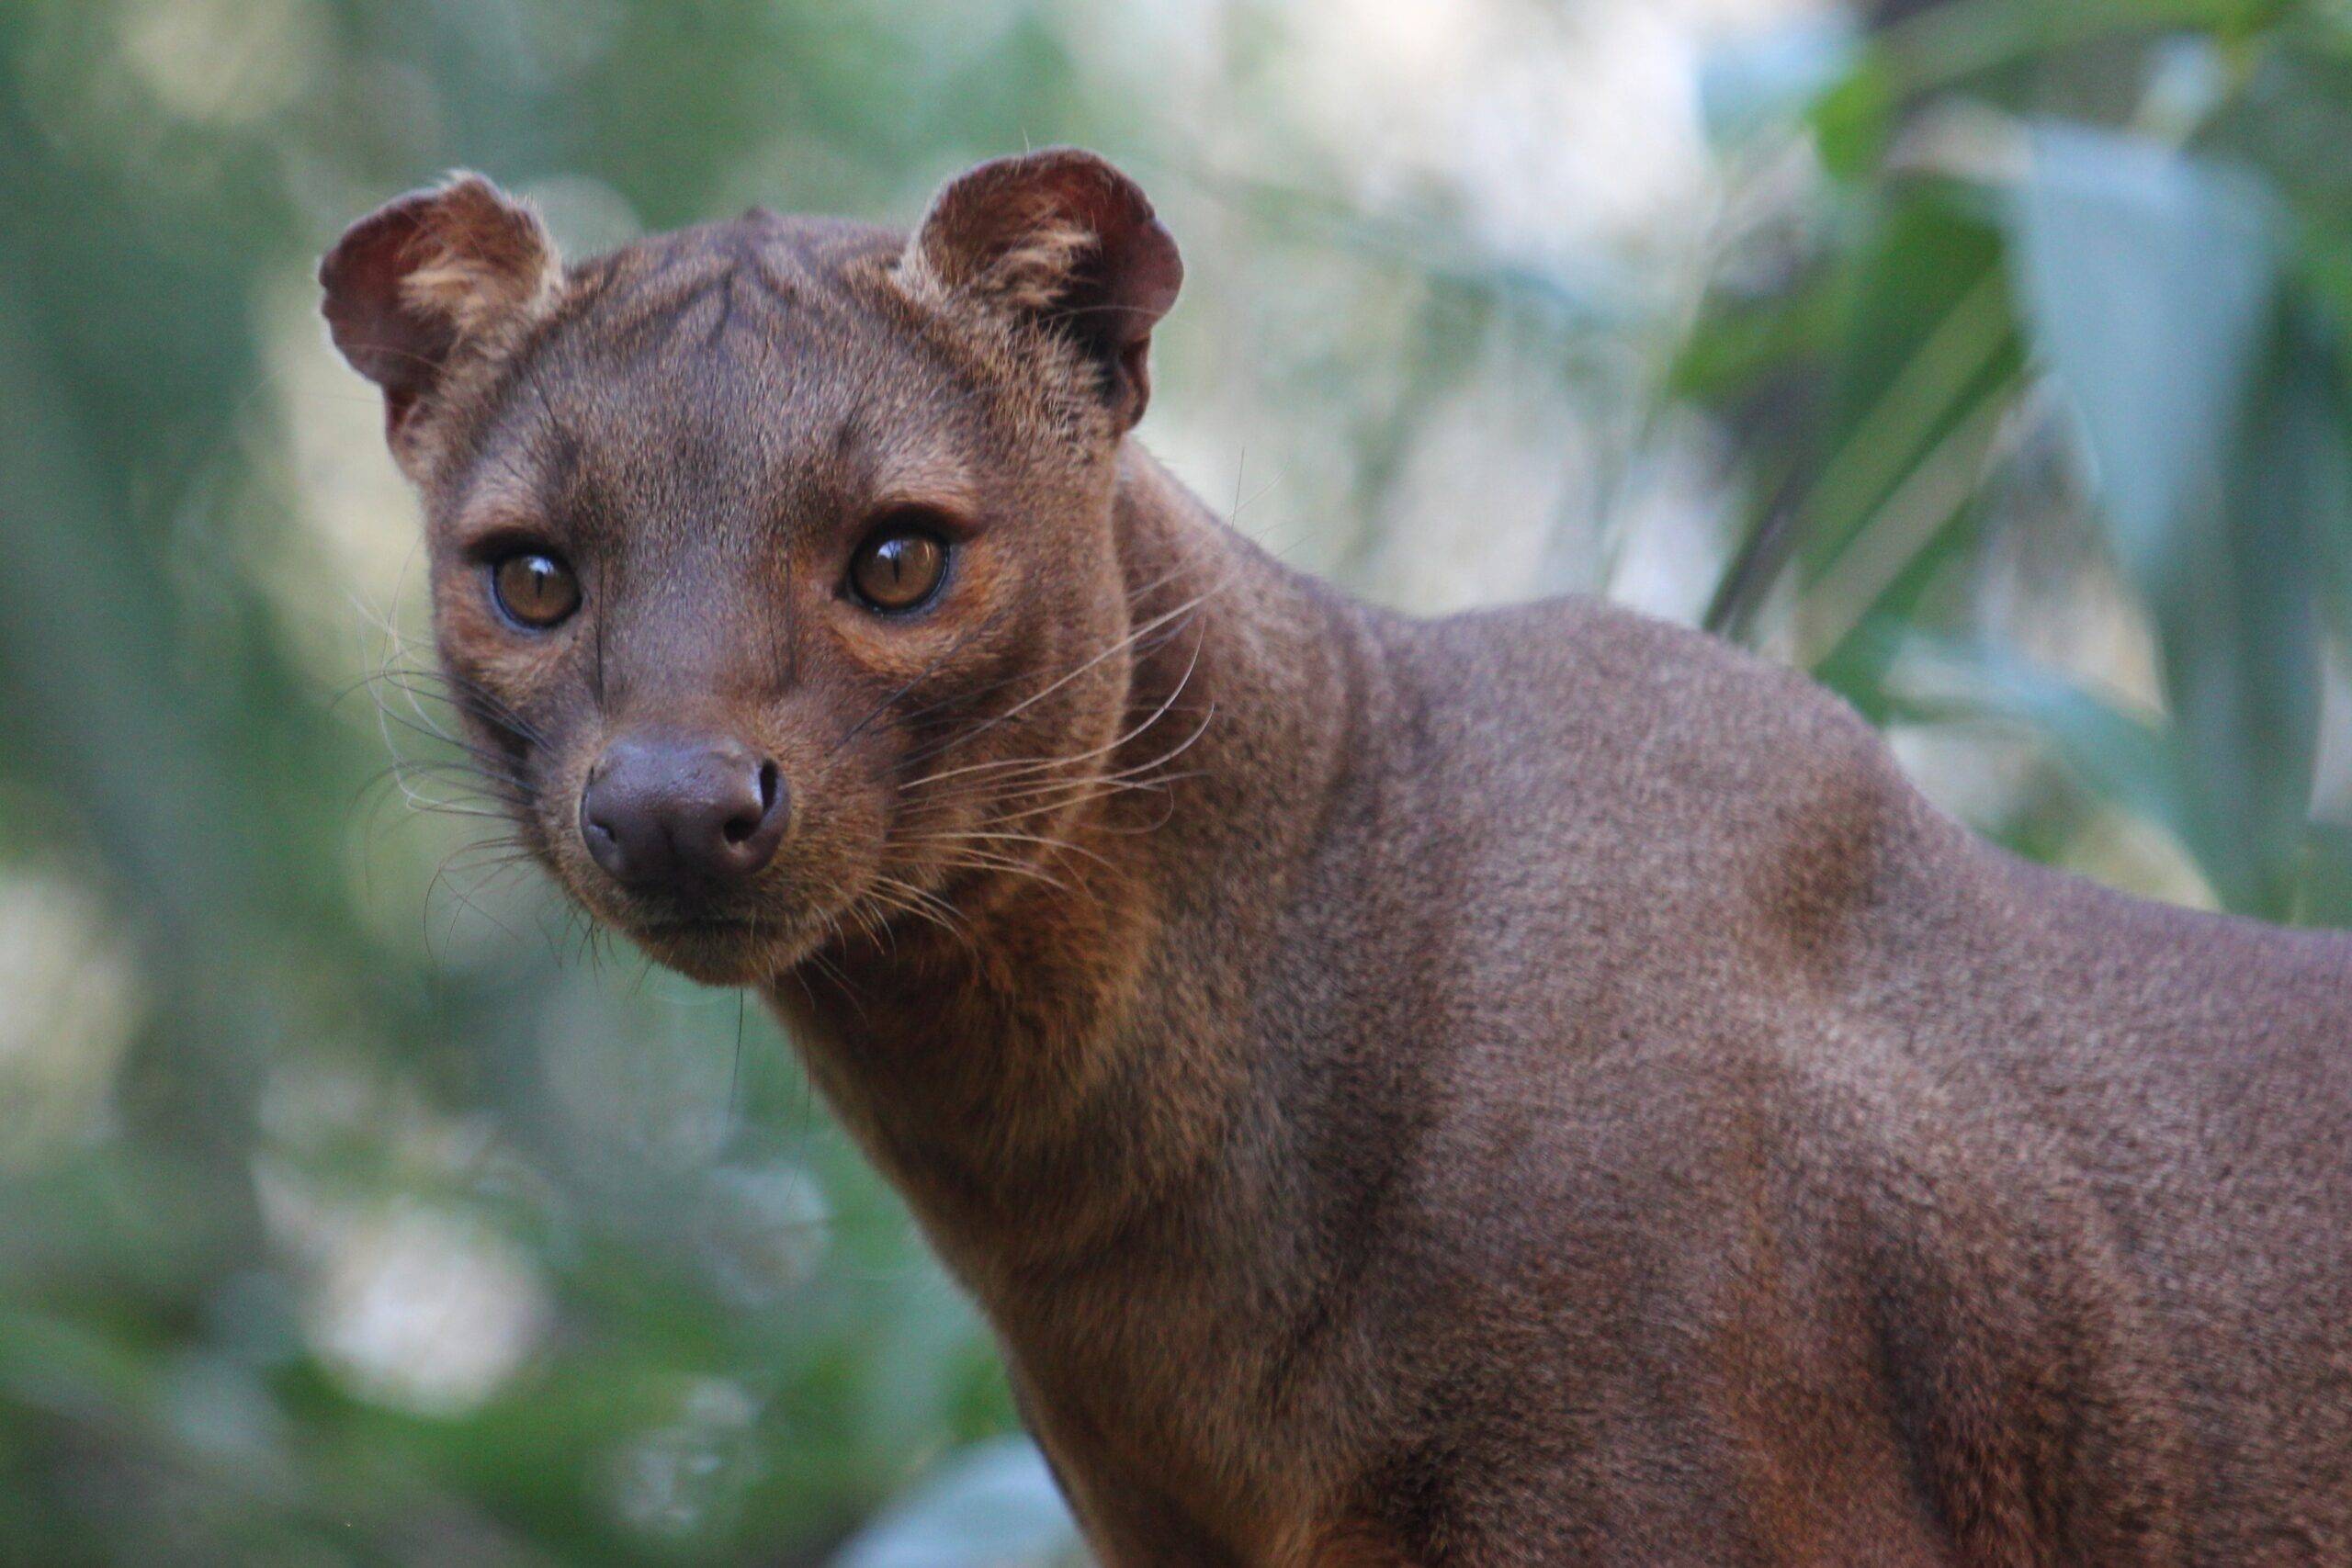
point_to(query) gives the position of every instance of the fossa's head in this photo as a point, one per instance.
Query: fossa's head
(771, 561)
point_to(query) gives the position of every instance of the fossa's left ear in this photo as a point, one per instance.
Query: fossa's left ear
(1065, 242)
(430, 274)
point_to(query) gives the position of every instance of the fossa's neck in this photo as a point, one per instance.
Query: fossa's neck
(1057, 1072)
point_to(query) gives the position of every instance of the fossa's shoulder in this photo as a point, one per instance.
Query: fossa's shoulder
(1592, 694)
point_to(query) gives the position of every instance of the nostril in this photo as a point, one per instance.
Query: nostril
(740, 827)
(601, 825)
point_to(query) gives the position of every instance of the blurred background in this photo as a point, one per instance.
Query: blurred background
(1986, 358)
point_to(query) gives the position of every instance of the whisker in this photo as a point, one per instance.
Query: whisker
(1117, 646)
(1112, 747)
(1144, 642)
(920, 676)
(979, 837)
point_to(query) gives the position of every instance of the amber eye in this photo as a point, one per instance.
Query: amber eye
(899, 568)
(535, 588)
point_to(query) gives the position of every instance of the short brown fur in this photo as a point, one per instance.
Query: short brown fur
(1529, 1088)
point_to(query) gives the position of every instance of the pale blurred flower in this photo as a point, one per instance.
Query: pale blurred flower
(762, 1229)
(326, 1094)
(225, 60)
(407, 1303)
(68, 1003)
(411, 1302)
(685, 1477)
(358, 520)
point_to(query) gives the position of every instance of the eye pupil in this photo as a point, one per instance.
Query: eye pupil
(535, 587)
(899, 569)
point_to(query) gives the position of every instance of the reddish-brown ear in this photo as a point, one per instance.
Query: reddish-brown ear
(434, 271)
(1063, 240)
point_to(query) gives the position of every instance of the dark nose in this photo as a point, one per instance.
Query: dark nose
(681, 813)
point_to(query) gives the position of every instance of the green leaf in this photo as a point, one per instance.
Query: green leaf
(2152, 281)
(2240, 625)
(2129, 759)
(2327, 893)
(2147, 278)
(1854, 119)
(1924, 374)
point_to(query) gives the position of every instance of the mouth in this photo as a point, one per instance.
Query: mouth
(716, 950)
(724, 945)
(698, 926)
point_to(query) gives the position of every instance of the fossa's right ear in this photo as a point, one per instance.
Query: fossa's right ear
(1065, 242)
(433, 273)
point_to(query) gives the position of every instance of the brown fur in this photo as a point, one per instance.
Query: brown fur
(1529, 1088)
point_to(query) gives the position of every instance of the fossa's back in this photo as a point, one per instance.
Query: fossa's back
(1769, 1018)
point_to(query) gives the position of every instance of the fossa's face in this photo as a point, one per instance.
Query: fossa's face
(772, 562)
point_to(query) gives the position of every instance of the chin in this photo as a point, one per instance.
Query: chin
(722, 953)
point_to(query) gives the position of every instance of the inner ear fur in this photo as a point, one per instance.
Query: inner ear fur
(431, 274)
(1064, 240)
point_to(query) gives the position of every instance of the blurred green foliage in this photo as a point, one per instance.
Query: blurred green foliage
(357, 1204)
(2109, 240)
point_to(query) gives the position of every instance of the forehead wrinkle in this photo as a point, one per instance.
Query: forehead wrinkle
(497, 492)
(749, 301)
(652, 289)
(741, 382)
(902, 460)
(513, 490)
(540, 454)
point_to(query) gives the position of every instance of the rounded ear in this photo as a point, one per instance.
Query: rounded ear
(1065, 240)
(428, 272)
